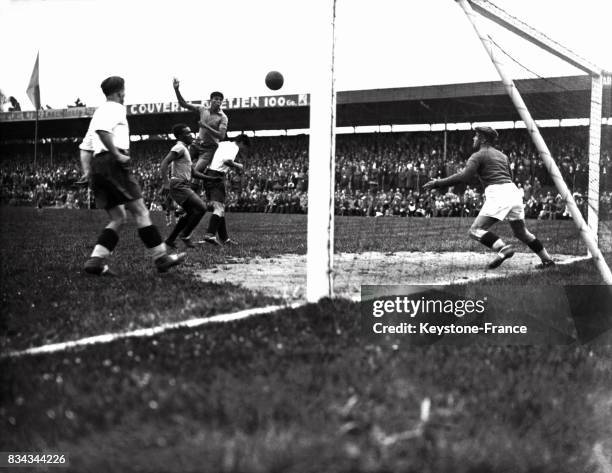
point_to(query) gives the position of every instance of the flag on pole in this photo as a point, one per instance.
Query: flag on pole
(33, 90)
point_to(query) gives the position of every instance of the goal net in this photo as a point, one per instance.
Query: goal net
(553, 124)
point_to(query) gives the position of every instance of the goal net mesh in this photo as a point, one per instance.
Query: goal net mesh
(388, 230)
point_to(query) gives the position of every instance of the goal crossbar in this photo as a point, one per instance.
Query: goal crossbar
(522, 29)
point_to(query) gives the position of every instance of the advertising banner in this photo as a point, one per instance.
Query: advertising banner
(230, 103)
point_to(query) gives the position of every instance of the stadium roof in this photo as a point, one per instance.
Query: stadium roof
(547, 98)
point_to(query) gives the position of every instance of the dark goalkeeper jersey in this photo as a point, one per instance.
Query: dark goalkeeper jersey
(490, 165)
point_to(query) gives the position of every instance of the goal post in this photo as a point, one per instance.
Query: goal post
(594, 153)
(321, 168)
(586, 232)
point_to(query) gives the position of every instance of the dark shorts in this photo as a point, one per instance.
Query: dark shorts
(180, 191)
(215, 190)
(202, 154)
(112, 183)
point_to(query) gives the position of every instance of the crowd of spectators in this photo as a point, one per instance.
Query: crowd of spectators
(377, 174)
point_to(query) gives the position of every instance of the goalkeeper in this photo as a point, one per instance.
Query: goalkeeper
(502, 199)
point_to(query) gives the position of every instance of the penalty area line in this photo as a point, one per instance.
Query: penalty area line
(148, 332)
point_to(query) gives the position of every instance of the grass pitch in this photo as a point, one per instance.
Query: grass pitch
(47, 299)
(295, 391)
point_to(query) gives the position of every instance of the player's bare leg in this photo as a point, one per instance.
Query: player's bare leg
(107, 241)
(169, 209)
(178, 228)
(202, 163)
(222, 230)
(522, 234)
(202, 158)
(216, 219)
(479, 231)
(195, 209)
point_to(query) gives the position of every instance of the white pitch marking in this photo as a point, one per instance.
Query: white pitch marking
(149, 332)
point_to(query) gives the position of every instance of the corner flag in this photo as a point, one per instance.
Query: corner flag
(33, 89)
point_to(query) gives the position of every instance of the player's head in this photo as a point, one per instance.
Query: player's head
(485, 135)
(216, 98)
(113, 88)
(243, 142)
(182, 132)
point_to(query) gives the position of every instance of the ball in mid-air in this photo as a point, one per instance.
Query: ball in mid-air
(274, 80)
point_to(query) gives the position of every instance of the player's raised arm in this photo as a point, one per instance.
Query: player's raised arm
(179, 97)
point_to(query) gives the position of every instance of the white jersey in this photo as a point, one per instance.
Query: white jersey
(112, 118)
(227, 150)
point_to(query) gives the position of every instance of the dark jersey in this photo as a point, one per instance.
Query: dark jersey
(490, 165)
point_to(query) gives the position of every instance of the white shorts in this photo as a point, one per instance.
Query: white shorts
(503, 201)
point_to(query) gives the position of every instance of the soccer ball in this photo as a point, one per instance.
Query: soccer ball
(274, 80)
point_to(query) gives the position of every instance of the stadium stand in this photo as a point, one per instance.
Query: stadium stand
(377, 174)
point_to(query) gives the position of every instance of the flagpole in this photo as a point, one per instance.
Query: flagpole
(36, 139)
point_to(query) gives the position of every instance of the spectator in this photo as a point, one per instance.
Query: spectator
(375, 174)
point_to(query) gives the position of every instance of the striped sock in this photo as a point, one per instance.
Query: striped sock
(107, 241)
(152, 239)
